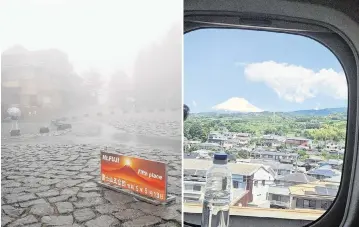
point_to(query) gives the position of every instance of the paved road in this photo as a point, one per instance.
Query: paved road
(50, 180)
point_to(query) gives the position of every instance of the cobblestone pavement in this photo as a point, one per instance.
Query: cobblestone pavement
(55, 185)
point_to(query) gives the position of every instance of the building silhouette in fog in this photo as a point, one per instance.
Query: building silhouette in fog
(40, 79)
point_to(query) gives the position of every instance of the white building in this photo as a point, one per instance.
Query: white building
(249, 180)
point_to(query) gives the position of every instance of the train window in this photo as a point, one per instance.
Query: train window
(278, 104)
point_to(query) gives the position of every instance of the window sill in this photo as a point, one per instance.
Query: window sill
(297, 214)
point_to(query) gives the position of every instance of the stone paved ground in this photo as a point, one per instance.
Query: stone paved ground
(54, 185)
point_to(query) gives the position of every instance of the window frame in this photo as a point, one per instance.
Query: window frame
(188, 187)
(275, 197)
(311, 201)
(235, 183)
(253, 15)
(196, 187)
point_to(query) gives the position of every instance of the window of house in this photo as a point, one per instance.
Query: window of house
(235, 184)
(324, 205)
(299, 203)
(263, 182)
(197, 188)
(275, 197)
(312, 204)
(255, 183)
(188, 187)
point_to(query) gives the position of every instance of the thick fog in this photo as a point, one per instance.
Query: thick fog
(64, 56)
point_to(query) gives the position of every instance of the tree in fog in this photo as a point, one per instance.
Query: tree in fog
(158, 72)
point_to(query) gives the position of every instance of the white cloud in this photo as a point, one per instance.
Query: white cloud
(238, 105)
(296, 83)
(194, 104)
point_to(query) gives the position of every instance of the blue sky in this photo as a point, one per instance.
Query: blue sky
(272, 71)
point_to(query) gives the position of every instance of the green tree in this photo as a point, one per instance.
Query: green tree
(302, 155)
(196, 131)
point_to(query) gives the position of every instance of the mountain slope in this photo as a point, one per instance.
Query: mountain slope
(320, 112)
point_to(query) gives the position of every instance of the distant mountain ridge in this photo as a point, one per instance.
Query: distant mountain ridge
(320, 112)
(310, 112)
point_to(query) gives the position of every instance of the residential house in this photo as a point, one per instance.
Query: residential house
(334, 163)
(335, 152)
(303, 147)
(190, 143)
(203, 154)
(279, 197)
(273, 140)
(190, 155)
(283, 169)
(279, 194)
(216, 137)
(210, 146)
(294, 179)
(243, 138)
(280, 169)
(275, 156)
(333, 146)
(323, 172)
(238, 142)
(194, 185)
(242, 135)
(334, 179)
(194, 189)
(315, 195)
(313, 152)
(229, 135)
(250, 181)
(313, 159)
(227, 146)
(298, 141)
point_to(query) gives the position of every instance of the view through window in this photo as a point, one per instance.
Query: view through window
(277, 105)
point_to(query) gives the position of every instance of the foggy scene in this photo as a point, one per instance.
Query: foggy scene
(78, 78)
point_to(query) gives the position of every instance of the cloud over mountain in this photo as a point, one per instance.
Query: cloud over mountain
(237, 104)
(296, 83)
